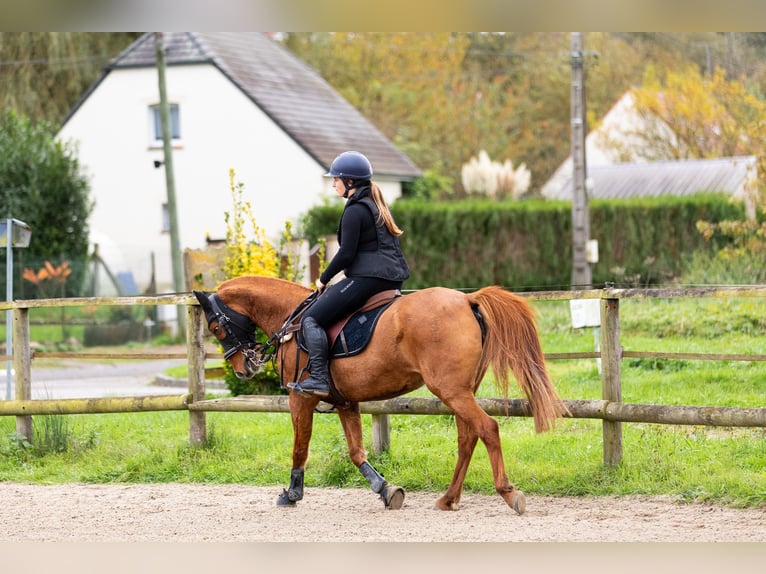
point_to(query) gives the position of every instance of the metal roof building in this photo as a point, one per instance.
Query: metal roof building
(730, 175)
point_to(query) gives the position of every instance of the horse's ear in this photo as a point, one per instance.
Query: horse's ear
(203, 300)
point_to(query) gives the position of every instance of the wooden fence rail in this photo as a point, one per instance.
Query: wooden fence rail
(580, 409)
(610, 409)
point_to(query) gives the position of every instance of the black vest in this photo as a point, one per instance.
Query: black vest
(387, 262)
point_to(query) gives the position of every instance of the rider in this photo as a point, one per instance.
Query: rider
(368, 254)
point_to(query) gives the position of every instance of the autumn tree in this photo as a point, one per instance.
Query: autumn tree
(442, 98)
(43, 74)
(409, 85)
(690, 115)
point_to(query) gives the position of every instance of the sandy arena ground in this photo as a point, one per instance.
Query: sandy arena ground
(229, 513)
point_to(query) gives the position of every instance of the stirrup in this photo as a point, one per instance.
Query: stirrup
(298, 388)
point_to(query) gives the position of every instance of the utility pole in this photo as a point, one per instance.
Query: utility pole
(581, 271)
(175, 241)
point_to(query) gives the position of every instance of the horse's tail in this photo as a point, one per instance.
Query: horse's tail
(512, 344)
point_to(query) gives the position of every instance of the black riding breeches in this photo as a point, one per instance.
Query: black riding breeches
(346, 296)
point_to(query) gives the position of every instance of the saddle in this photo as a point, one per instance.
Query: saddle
(350, 335)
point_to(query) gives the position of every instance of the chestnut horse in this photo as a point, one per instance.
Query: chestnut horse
(437, 337)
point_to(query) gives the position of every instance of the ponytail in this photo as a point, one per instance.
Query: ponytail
(385, 212)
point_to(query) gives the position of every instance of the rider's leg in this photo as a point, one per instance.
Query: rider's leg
(318, 382)
(337, 301)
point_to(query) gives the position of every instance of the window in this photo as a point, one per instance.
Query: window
(175, 124)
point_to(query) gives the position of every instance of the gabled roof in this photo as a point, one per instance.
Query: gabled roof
(290, 92)
(685, 177)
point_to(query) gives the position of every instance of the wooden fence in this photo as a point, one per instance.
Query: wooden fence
(610, 409)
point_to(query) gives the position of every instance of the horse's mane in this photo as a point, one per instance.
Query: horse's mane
(247, 290)
(262, 284)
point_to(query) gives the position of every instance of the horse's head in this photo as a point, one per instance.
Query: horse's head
(235, 332)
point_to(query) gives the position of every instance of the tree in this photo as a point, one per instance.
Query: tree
(248, 252)
(409, 85)
(41, 184)
(442, 98)
(708, 117)
(43, 74)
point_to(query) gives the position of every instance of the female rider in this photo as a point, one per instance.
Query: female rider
(368, 254)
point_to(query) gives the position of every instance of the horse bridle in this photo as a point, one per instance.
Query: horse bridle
(240, 334)
(240, 331)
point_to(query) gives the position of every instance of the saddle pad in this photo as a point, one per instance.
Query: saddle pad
(355, 334)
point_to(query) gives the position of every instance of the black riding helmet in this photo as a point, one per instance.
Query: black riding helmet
(350, 165)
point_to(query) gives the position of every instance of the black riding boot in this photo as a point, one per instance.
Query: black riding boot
(318, 382)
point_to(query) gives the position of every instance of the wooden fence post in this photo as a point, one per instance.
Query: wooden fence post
(611, 389)
(381, 433)
(196, 346)
(22, 361)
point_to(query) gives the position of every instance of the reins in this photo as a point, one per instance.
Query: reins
(261, 353)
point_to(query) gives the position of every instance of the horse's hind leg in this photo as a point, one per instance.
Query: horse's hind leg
(487, 429)
(466, 444)
(350, 418)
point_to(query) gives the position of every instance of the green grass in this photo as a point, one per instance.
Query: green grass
(722, 465)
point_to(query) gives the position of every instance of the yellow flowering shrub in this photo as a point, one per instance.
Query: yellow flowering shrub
(248, 252)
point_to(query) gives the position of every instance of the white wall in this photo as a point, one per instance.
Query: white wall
(220, 129)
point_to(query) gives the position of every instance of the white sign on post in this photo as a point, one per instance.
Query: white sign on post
(585, 312)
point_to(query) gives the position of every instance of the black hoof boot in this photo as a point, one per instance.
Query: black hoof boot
(376, 480)
(294, 492)
(284, 499)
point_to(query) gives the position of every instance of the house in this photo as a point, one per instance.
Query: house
(609, 176)
(238, 101)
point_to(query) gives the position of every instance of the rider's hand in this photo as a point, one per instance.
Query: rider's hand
(320, 286)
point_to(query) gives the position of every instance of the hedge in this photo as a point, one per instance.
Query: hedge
(527, 245)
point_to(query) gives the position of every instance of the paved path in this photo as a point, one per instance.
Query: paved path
(84, 379)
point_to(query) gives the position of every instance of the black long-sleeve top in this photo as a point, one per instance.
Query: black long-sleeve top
(356, 232)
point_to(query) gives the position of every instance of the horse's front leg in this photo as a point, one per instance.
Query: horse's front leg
(351, 420)
(302, 415)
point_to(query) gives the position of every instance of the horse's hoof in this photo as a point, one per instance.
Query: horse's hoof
(444, 503)
(393, 497)
(284, 499)
(518, 502)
